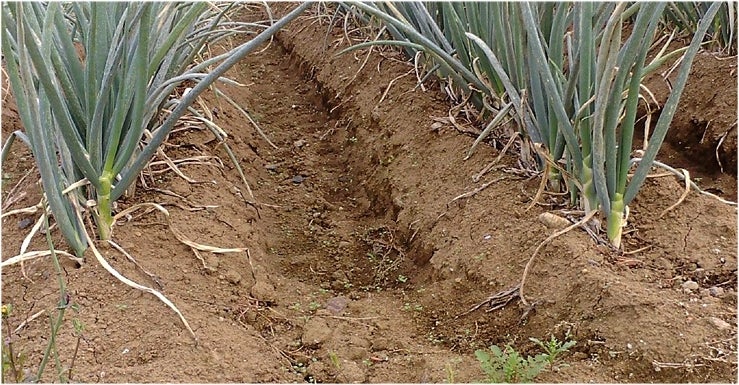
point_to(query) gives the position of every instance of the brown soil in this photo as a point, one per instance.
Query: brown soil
(353, 274)
(703, 134)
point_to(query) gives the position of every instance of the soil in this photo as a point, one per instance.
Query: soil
(703, 135)
(361, 265)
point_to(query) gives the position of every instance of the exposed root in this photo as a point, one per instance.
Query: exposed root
(454, 111)
(468, 194)
(658, 366)
(472, 193)
(637, 251)
(476, 177)
(28, 320)
(195, 160)
(496, 301)
(37, 254)
(27, 210)
(387, 90)
(11, 198)
(686, 175)
(27, 242)
(497, 121)
(546, 241)
(221, 135)
(194, 206)
(243, 112)
(131, 283)
(202, 260)
(151, 276)
(366, 59)
(540, 190)
(180, 237)
(681, 177)
(718, 146)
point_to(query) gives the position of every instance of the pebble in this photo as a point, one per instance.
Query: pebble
(315, 332)
(299, 143)
(689, 286)
(298, 179)
(719, 323)
(25, 222)
(716, 291)
(271, 167)
(336, 305)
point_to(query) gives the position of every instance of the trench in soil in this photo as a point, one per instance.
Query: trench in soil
(359, 267)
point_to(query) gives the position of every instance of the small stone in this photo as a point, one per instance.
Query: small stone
(719, 323)
(298, 179)
(233, 277)
(315, 332)
(716, 291)
(336, 305)
(25, 222)
(344, 244)
(689, 286)
(299, 143)
(271, 167)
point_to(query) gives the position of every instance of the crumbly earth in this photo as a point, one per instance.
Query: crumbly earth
(361, 264)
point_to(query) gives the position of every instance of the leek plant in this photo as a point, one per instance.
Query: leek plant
(572, 78)
(90, 78)
(606, 100)
(722, 33)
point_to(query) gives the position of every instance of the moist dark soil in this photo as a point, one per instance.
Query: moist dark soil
(360, 265)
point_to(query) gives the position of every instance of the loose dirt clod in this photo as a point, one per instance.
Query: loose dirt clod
(315, 332)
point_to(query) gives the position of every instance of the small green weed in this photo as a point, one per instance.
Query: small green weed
(554, 347)
(509, 366)
(335, 361)
(450, 372)
(12, 362)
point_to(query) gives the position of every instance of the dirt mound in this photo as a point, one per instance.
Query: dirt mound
(360, 267)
